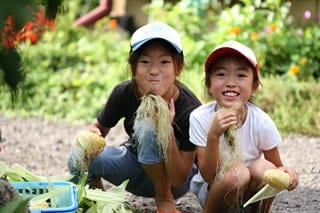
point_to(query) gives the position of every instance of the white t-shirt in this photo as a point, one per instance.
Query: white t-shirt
(258, 132)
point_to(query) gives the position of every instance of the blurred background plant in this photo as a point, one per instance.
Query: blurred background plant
(21, 21)
(69, 71)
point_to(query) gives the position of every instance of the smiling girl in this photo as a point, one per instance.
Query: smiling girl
(231, 78)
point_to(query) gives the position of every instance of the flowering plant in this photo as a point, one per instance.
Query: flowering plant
(31, 31)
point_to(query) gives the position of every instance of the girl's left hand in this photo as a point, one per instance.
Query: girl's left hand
(172, 109)
(294, 177)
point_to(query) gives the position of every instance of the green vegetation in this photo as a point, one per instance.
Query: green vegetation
(49, 195)
(70, 72)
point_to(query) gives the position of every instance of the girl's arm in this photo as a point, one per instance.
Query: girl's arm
(208, 159)
(178, 163)
(273, 156)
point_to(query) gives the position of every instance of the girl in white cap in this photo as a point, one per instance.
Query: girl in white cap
(236, 141)
(156, 59)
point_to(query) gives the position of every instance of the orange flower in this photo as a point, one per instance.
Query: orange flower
(31, 31)
(271, 28)
(254, 36)
(303, 60)
(294, 69)
(50, 23)
(235, 30)
(113, 24)
(8, 34)
(29, 35)
(28, 26)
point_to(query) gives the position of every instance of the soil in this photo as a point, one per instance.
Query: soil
(42, 147)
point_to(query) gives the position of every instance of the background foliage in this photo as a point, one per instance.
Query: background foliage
(70, 72)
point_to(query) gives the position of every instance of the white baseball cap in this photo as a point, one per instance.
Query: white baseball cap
(156, 30)
(230, 47)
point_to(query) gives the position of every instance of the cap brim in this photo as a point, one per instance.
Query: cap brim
(140, 43)
(224, 51)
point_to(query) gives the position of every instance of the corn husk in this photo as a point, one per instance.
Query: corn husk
(276, 181)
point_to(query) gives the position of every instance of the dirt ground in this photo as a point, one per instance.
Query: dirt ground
(42, 147)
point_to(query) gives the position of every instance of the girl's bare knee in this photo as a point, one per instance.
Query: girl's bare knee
(236, 178)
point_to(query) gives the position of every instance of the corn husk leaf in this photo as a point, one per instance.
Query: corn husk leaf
(81, 186)
(17, 204)
(108, 201)
(51, 195)
(266, 192)
(18, 173)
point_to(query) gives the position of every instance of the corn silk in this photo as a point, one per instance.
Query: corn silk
(155, 108)
(230, 149)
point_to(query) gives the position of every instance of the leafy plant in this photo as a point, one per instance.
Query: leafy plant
(90, 200)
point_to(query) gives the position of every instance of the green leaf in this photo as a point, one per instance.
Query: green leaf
(51, 195)
(18, 204)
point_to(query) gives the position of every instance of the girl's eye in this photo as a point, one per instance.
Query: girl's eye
(218, 73)
(243, 74)
(142, 61)
(165, 61)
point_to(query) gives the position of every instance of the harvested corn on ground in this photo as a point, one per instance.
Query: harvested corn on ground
(85, 147)
(42, 145)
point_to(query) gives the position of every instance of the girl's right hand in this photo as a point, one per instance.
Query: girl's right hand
(95, 130)
(223, 120)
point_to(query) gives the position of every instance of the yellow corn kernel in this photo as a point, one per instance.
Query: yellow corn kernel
(42, 205)
(90, 142)
(277, 178)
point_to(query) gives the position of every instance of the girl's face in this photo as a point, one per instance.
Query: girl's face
(155, 71)
(231, 80)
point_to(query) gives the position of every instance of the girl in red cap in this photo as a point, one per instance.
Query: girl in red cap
(236, 141)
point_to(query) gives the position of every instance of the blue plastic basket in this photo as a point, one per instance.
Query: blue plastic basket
(66, 201)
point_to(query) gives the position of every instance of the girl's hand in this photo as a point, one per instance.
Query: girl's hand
(294, 177)
(223, 120)
(95, 130)
(172, 110)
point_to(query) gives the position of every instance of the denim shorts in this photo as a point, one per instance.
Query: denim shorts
(200, 189)
(119, 163)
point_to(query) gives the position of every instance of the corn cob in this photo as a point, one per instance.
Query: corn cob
(277, 178)
(42, 205)
(90, 142)
(276, 181)
(86, 146)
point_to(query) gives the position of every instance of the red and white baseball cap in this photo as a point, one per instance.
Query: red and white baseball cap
(232, 47)
(156, 30)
